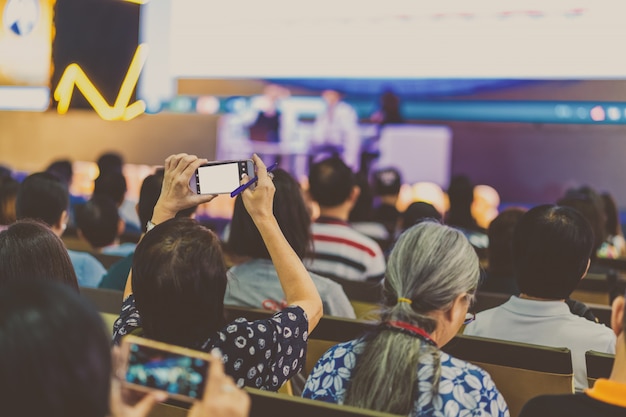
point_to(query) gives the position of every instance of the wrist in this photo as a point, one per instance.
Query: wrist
(162, 213)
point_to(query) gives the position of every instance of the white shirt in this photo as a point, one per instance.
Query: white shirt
(339, 126)
(547, 323)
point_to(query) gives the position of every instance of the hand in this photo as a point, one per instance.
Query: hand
(259, 202)
(175, 192)
(222, 398)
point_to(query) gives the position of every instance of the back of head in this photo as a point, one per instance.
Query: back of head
(42, 196)
(430, 265)
(613, 225)
(62, 169)
(461, 196)
(110, 162)
(149, 195)
(55, 355)
(179, 280)
(363, 208)
(500, 234)
(418, 212)
(8, 195)
(330, 182)
(387, 182)
(30, 251)
(551, 250)
(112, 185)
(98, 220)
(290, 212)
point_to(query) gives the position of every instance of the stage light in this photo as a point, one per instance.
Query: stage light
(121, 110)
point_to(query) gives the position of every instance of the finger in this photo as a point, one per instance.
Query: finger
(198, 199)
(215, 378)
(174, 160)
(143, 407)
(260, 165)
(190, 169)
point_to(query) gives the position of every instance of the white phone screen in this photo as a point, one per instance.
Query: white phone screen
(218, 179)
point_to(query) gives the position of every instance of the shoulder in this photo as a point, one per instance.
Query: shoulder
(552, 405)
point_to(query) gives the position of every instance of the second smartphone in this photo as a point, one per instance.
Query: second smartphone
(221, 177)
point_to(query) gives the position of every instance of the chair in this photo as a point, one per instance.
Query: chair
(265, 403)
(602, 313)
(599, 365)
(486, 300)
(520, 371)
(106, 301)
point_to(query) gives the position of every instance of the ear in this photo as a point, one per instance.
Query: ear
(61, 225)
(354, 194)
(617, 315)
(121, 226)
(587, 269)
(456, 313)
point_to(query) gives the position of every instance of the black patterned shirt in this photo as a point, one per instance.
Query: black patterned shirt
(260, 354)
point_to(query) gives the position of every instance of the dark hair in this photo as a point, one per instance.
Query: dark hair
(363, 209)
(551, 248)
(112, 185)
(98, 220)
(110, 162)
(612, 226)
(590, 205)
(42, 196)
(290, 212)
(461, 196)
(55, 357)
(8, 194)
(149, 195)
(500, 232)
(30, 251)
(62, 169)
(179, 277)
(387, 181)
(331, 181)
(390, 108)
(418, 212)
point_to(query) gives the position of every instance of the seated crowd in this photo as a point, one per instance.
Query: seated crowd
(179, 278)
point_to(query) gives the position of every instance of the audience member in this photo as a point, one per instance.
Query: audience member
(613, 225)
(461, 196)
(115, 277)
(336, 130)
(431, 278)
(8, 194)
(485, 205)
(43, 374)
(552, 246)
(607, 398)
(254, 282)
(500, 276)
(99, 223)
(63, 170)
(340, 251)
(389, 111)
(416, 213)
(387, 183)
(361, 217)
(30, 251)
(42, 196)
(179, 279)
(111, 165)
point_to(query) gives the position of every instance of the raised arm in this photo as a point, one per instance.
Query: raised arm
(294, 278)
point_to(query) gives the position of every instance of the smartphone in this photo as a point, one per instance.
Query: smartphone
(151, 365)
(220, 177)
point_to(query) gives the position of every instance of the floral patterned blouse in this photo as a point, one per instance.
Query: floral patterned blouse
(260, 354)
(465, 390)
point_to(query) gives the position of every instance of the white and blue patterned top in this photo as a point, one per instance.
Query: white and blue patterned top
(465, 390)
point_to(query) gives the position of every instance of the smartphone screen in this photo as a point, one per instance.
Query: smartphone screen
(221, 177)
(180, 375)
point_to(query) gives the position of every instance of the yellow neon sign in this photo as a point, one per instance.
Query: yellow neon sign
(121, 110)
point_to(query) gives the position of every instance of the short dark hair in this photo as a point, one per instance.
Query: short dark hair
(113, 185)
(551, 248)
(179, 276)
(42, 196)
(62, 169)
(290, 212)
(30, 251)
(149, 195)
(55, 357)
(418, 212)
(98, 220)
(387, 181)
(331, 181)
(110, 162)
(500, 233)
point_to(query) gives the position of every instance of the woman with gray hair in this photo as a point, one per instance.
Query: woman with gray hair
(432, 274)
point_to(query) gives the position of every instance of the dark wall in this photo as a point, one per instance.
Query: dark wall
(101, 36)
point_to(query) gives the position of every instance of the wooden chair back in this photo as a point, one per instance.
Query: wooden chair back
(599, 365)
(520, 371)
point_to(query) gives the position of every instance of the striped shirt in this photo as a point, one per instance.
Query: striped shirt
(342, 252)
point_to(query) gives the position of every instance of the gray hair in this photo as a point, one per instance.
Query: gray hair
(431, 264)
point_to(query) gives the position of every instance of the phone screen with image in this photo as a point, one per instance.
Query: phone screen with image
(219, 178)
(180, 375)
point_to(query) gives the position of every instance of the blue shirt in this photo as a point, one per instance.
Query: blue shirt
(464, 389)
(89, 270)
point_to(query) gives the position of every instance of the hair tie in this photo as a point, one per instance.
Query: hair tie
(405, 300)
